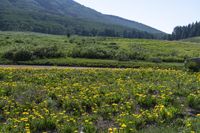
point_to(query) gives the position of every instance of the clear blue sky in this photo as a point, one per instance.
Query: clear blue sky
(161, 14)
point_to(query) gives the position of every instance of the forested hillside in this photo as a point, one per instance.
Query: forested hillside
(67, 17)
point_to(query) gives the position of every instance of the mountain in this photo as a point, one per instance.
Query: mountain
(67, 16)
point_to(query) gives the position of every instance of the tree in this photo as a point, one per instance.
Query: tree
(182, 32)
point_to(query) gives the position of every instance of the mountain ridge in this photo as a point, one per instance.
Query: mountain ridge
(64, 14)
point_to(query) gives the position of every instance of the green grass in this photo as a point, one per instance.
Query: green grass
(194, 40)
(78, 62)
(100, 51)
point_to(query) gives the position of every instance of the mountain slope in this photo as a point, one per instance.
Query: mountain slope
(65, 16)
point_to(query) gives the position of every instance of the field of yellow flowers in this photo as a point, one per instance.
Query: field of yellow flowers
(99, 100)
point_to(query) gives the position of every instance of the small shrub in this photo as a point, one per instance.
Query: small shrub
(7, 37)
(156, 60)
(9, 55)
(113, 46)
(45, 124)
(113, 43)
(6, 91)
(137, 56)
(193, 64)
(2, 76)
(23, 55)
(19, 41)
(68, 128)
(18, 55)
(90, 129)
(137, 53)
(92, 53)
(194, 101)
(72, 40)
(122, 56)
(172, 59)
(48, 52)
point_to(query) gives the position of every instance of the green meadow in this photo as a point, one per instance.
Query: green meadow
(43, 49)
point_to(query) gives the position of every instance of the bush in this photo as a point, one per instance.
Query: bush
(92, 53)
(18, 55)
(194, 101)
(48, 52)
(122, 56)
(137, 56)
(46, 124)
(9, 55)
(23, 55)
(193, 64)
(156, 60)
(2, 76)
(27, 54)
(19, 41)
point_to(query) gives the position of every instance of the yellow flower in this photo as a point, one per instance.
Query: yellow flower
(110, 130)
(86, 121)
(114, 129)
(198, 115)
(24, 119)
(123, 125)
(25, 113)
(28, 131)
(114, 104)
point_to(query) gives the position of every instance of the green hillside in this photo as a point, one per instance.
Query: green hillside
(66, 16)
(46, 49)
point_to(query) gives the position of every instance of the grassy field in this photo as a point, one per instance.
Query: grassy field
(34, 48)
(99, 100)
(158, 96)
(194, 39)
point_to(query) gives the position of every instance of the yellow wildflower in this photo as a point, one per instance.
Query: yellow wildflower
(123, 125)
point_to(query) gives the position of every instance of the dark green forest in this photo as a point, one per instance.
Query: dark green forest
(183, 32)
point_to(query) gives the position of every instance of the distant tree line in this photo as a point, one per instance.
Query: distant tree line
(65, 26)
(81, 30)
(182, 32)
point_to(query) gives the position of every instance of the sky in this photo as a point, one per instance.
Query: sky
(160, 14)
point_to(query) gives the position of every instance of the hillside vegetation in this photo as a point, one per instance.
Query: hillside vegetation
(67, 17)
(43, 49)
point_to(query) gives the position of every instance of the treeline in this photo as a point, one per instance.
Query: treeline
(182, 32)
(83, 31)
(124, 33)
